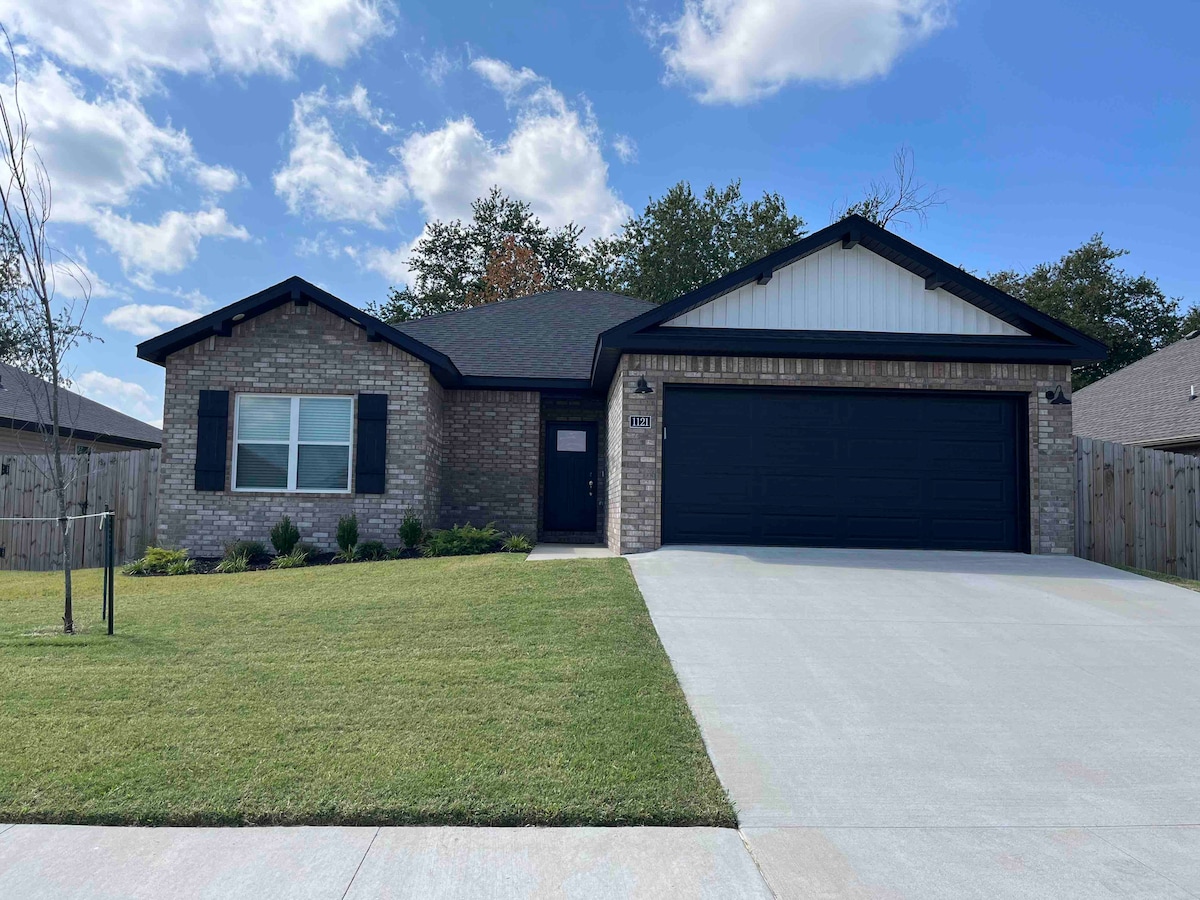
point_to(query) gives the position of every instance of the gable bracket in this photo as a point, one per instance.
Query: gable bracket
(935, 281)
(850, 241)
(764, 276)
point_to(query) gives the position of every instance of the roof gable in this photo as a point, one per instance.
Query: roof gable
(844, 289)
(294, 289)
(1040, 338)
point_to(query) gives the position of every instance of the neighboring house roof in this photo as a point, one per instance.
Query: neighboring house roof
(550, 335)
(574, 339)
(1146, 402)
(24, 406)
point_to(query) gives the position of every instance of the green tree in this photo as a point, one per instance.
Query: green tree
(1089, 291)
(12, 338)
(459, 264)
(682, 241)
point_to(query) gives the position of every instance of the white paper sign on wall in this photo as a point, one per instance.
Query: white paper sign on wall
(639, 421)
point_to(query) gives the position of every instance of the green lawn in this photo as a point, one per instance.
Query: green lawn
(480, 690)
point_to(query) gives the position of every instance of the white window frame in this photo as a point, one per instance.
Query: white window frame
(293, 444)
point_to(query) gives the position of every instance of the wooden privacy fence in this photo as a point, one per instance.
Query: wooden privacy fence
(1137, 507)
(125, 482)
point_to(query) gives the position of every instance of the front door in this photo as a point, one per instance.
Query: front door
(570, 477)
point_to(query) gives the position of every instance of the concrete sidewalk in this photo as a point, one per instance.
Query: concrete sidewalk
(70, 862)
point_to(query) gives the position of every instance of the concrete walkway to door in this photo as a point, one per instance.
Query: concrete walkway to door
(909, 724)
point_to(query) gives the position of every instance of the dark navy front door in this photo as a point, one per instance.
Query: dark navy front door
(570, 477)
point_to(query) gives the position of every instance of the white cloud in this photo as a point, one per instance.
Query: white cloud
(168, 245)
(134, 41)
(551, 159)
(325, 179)
(127, 396)
(102, 150)
(149, 319)
(739, 50)
(102, 153)
(625, 147)
(503, 77)
(391, 264)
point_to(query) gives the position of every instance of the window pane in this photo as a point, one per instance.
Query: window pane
(322, 468)
(262, 466)
(264, 418)
(572, 442)
(325, 419)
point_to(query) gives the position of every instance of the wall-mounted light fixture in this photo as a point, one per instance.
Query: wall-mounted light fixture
(1057, 398)
(642, 387)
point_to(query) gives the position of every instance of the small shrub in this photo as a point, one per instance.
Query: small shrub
(308, 550)
(372, 550)
(160, 561)
(411, 531)
(298, 558)
(136, 567)
(462, 540)
(516, 543)
(347, 536)
(252, 550)
(238, 562)
(284, 536)
(181, 567)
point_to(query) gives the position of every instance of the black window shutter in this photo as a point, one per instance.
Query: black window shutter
(372, 444)
(212, 427)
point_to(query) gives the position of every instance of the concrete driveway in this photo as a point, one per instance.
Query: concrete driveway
(900, 724)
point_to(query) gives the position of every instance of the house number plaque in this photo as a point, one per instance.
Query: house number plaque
(639, 421)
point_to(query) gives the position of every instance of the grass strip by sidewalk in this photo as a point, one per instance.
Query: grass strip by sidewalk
(1189, 583)
(481, 690)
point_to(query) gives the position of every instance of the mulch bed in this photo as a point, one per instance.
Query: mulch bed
(206, 565)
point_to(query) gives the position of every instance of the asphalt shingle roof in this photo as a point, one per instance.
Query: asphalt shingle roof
(22, 396)
(550, 335)
(1146, 402)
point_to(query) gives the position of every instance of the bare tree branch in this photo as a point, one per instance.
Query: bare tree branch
(47, 327)
(888, 202)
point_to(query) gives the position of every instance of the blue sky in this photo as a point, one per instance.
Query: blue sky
(201, 150)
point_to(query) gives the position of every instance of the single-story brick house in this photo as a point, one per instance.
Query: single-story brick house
(848, 390)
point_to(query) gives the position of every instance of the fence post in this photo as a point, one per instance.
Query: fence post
(109, 559)
(104, 570)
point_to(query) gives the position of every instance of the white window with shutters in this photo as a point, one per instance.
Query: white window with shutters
(300, 444)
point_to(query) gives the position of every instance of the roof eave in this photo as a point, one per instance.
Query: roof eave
(81, 434)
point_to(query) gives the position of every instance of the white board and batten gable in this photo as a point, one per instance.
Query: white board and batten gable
(838, 289)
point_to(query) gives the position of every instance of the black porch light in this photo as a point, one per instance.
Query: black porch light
(642, 387)
(1057, 398)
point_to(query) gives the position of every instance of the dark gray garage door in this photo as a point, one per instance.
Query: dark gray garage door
(844, 468)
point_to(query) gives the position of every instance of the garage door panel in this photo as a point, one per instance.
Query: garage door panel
(843, 468)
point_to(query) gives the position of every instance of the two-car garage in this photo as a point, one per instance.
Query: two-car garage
(845, 467)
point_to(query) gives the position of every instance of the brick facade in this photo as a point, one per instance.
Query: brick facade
(457, 456)
(635, 455)
(308, 350)
(490, 451)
